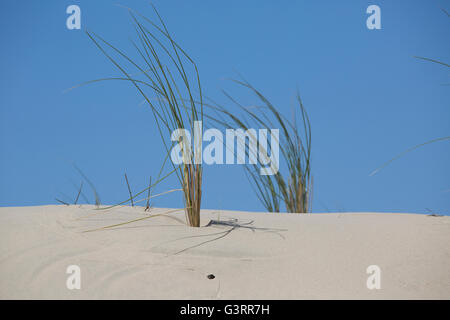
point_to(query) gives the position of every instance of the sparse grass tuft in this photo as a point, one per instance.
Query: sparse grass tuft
(79, 193)
(421, 144)
(94, 190)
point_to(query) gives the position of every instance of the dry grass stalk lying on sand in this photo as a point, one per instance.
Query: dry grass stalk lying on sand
(164, 69)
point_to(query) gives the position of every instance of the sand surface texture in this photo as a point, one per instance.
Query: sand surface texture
(251, 255)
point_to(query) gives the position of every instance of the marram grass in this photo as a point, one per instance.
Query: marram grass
(167, 79)
(292, 188)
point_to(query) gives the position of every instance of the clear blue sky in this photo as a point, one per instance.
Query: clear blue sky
(367, 97)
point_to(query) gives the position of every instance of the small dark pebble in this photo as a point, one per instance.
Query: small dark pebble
(210, 276)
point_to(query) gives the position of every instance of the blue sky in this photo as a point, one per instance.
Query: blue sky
(367, 97)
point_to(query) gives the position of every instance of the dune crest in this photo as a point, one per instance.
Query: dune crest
(250, 255)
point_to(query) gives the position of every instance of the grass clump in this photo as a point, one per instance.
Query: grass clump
(294, 187)
(167, 78)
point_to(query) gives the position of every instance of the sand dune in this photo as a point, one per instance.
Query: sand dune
(271, 256)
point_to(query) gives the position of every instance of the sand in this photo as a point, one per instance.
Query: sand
(277, 256)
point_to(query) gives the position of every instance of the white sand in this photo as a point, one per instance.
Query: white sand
(319, 256)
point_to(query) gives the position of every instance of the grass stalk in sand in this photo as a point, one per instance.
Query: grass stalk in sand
(79, 193)
(147, 206)
(129, 190)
